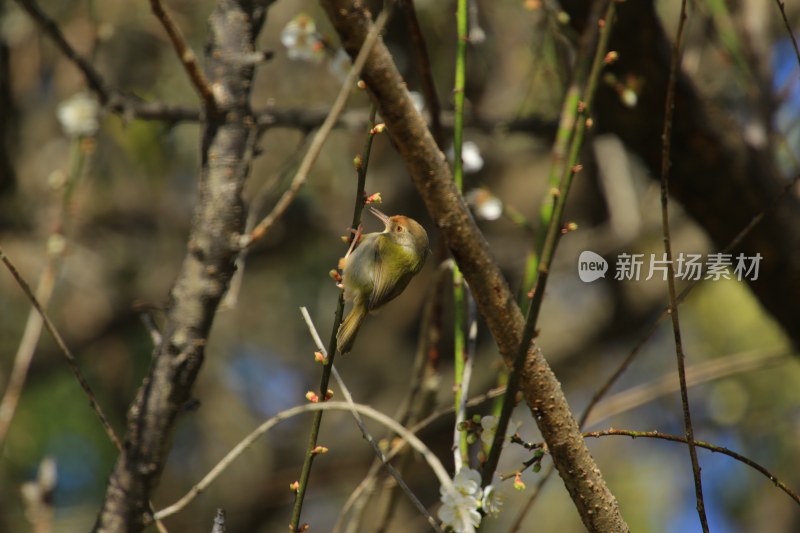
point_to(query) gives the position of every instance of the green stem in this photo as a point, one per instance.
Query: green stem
(559, 198)
(326, 370)
(458, 174)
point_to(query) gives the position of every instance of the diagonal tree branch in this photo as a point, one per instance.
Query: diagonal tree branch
(93, 78)
(428, 167)
(207, 269)
(185, 54)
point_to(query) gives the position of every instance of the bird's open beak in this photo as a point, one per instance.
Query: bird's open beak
(381, 216)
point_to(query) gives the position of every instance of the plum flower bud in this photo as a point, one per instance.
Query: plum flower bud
(611, 57)
(374, 198)
(489, 428)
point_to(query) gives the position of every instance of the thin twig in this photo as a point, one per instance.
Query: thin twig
(700, 373)
(673, 300)
(305, 166)
(288, 167)
(71, 361)
(49, 26)
(424, 66)
(186, 56)
(463, 379)
(321, 136)
(438, 469)
(44, 290)
(789, 29)
(571, 113)
(25, 351)
(248, 441)
(700, 444)
(425, 380)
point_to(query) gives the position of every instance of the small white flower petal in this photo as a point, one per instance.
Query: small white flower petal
(79, 115)
(471, 157)
(492, 501)
(301, 39)
(488, 423)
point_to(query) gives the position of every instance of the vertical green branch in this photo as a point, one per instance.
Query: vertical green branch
(555, 211)
(361, 164)
(459, 346)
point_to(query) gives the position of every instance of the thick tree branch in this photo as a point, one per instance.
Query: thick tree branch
(431, 175)
(204, 276)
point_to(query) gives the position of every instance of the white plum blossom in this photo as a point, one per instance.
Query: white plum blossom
(302, 40)
(485, 205)
(79, 115)
(489, 426)
(471, 157)
(459, 509)
(492, 500)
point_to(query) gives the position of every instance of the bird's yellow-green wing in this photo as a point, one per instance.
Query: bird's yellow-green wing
(384, 282)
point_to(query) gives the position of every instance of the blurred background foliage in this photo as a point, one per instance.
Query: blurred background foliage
(110, 215)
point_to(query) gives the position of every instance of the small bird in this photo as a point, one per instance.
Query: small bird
(379, 269)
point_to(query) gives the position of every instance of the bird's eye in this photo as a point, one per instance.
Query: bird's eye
(399, 229)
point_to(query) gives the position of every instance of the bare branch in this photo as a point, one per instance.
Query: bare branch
(700, 444)
(62, 346)
(321, 136)
(48, 25)
(669, 106)
(365, 410)
(185, 54)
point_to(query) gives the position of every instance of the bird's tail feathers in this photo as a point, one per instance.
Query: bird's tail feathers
(349, 328)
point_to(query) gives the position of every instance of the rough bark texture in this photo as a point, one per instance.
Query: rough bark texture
(431, 174)
(721, 179)
(205, 273)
